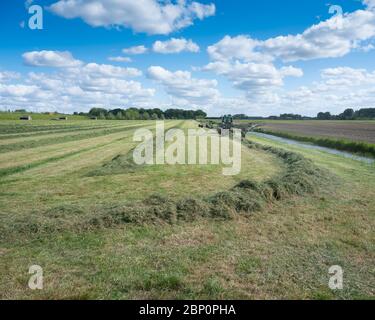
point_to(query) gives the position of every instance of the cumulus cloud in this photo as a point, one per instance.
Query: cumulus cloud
(202, 11)
(17, 90)
(107, 70)
(135, 50)
(256, 79)
(240, 47)
(345, 77)
(120, 59)
(75, 88)
(250, 64)
(182, 86)
(332, 38)
(337, 89)
(8, 75)
(370, 4)
(149, 16)
(175, 46)
(44, 58)
(291, 71)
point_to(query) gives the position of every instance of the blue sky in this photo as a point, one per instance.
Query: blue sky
(253, 57)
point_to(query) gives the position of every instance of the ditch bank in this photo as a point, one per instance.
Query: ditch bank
(360, 151)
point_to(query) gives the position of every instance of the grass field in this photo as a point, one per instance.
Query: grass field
(64, 186)
(38, 116)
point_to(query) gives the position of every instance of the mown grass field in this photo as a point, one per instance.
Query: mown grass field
(55, 177)
(13, 116)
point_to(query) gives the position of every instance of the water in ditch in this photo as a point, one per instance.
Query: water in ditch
(314, 147)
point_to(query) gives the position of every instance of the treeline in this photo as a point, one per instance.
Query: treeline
(145, 114)
(285, 116)
(349, 114)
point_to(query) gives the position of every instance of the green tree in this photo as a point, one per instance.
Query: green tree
(154, 116)
(324, 116)
(348, 114)
(96, 112)
(120, 116)
(111, 116)
(146, 116)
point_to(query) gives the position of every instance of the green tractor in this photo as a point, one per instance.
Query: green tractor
(226, 123)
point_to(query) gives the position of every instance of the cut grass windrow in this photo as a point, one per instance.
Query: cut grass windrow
(122, 163)
(36, 134)
(21, 168)
(362, 148)
(13, 170)
(299, 177)
(26, 128)
(63, 139)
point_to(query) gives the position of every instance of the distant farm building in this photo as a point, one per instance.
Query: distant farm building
(28, 118)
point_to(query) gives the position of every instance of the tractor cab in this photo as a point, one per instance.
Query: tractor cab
(227, 122)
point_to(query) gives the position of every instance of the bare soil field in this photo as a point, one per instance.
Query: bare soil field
(362, 131)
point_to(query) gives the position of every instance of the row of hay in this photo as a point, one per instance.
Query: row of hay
(39, 133)
(63, 139)
(300, 177)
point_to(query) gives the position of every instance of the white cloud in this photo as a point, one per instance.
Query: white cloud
(175, 46)
(44, 58)
(107, 70)
(17, 90)
(135, 50)
(339, 88)
(332, 38)
(8, 75)
(370, 4)
(241, 47)
(76, 89)
(344, 77)
(202, 11)
(149, 16)
(255, 79)
(181, 86)
(120, 59)
(249, 64)
(291, 71)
